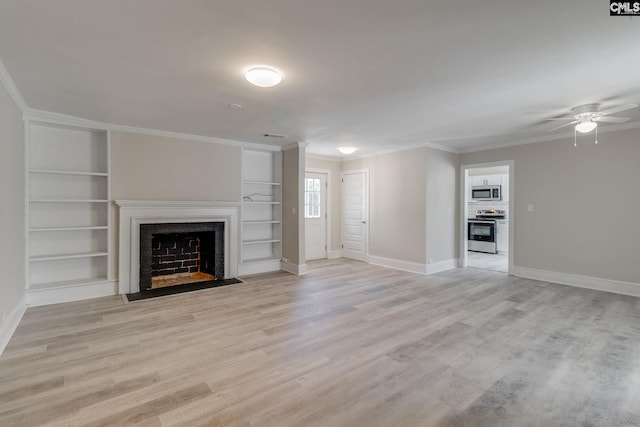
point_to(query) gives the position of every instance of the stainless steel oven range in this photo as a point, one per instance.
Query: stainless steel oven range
(483, 231)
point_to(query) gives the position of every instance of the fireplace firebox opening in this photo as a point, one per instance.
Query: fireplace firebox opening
(179, 253)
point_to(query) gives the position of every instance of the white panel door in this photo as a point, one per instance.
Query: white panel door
(315, 215)
(355, 205)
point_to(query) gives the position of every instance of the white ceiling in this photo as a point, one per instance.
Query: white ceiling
(377, 74)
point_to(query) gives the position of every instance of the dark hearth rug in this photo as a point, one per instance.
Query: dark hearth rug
(189, 287)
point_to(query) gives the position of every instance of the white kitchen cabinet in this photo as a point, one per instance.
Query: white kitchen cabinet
(504, 181)
(486, 180)
(502, 241)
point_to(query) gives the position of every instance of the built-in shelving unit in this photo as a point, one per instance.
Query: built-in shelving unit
(261, 211)
(68, 192)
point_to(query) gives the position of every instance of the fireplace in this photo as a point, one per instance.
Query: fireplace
(174, 254)
(136, 213)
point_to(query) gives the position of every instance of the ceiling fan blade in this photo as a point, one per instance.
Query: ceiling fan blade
(563, 125)
(562, 118)
(613, 119)
(617, 109)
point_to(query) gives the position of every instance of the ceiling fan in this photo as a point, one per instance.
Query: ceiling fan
(586, 116)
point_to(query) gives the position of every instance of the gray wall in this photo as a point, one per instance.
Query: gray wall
(12, 238)
(293, 167)
(335, 214)
(147, 167)
(585, 202)
(397, 204)
(442, 205)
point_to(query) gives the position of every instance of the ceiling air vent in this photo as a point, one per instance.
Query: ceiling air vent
(273, 135)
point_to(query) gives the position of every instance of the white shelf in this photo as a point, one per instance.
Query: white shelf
(261, 203)
(67, 256)
(43, 229)
(260, 182)
(68, 201)
(59, 172)
(261, 222)
(259, 241)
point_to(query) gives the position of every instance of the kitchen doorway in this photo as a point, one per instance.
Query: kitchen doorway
(487, 216)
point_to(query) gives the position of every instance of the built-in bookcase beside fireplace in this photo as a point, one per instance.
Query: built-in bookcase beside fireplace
(261, 211)
(68, 239)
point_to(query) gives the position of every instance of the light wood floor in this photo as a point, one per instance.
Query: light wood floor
(349, 344)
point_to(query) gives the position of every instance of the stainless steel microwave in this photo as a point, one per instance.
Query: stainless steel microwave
(486, 192)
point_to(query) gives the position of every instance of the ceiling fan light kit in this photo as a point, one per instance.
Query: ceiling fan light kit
(586, 126)
(586, 117)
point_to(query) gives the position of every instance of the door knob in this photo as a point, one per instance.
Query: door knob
(364, 222)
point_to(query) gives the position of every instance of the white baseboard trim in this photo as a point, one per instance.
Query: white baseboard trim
(607, 285)
(11, 323)
(258, 267)
(298, 269)
(36, 297)
(447, 264)
(334, 254)
(412, 267)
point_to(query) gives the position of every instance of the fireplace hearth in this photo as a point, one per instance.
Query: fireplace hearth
(173, 254)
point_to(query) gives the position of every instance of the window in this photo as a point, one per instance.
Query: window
(312, 198)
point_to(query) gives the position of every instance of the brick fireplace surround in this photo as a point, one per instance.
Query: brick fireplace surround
(182, 252)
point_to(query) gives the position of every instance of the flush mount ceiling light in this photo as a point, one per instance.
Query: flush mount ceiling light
(586, 126)
(263, 76)
(347, 150)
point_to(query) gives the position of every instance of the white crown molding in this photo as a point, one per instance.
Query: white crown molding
(8, 327)
(323, 157)
(549, 138)
(404, 148)
(11, 87)
(295, 145)
(599, 284)
(63, 119)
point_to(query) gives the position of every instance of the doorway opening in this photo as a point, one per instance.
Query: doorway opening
(487, 216)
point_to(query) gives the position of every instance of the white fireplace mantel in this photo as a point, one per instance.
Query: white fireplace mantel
(136, 212)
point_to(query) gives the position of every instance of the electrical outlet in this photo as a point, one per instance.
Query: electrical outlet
(285, 260)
